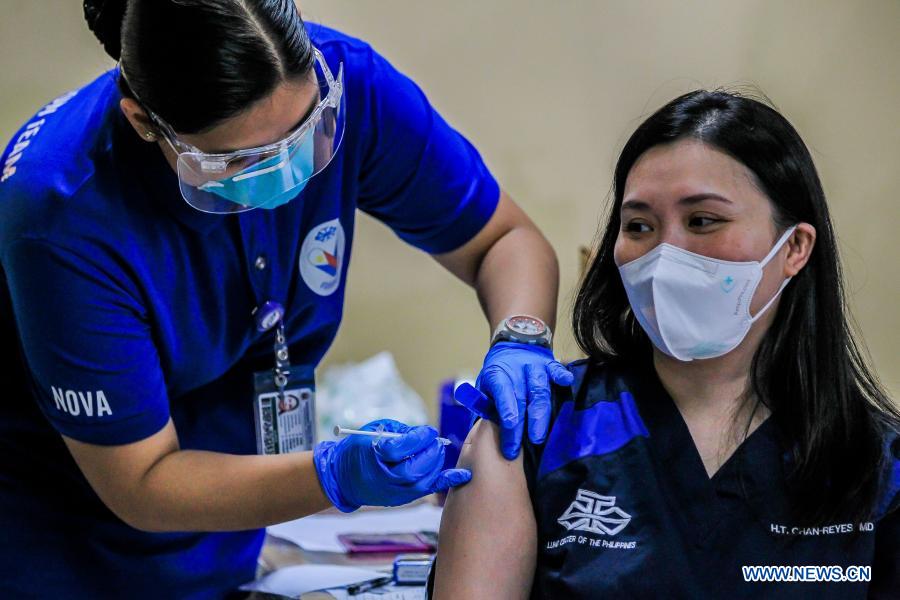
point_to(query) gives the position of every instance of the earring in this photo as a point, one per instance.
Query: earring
(150, 136)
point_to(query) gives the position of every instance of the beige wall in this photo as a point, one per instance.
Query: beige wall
(549, 91)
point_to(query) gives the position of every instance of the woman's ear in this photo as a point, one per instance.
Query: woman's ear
(800, 246)
(139, 119)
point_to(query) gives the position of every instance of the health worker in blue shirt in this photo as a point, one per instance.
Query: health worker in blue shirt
(178, 229)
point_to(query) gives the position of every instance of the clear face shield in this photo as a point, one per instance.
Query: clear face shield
(267, 176)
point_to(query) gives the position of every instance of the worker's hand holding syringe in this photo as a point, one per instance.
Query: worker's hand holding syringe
(385, 463)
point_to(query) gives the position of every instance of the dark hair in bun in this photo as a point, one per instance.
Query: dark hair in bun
(104, 18)
(198, 62)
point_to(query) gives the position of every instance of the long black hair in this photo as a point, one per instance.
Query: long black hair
(808, 369)
(197, 62)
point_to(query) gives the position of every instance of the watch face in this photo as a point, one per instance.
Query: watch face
(526, 325)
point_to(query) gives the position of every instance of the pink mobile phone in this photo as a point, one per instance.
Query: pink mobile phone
(385, 542)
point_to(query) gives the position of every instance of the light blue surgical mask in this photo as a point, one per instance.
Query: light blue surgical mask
(271, 182)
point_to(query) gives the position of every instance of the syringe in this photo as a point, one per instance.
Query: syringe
(378, 433)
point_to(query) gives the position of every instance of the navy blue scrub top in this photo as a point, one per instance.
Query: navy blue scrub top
(123, 307)
(625, 508)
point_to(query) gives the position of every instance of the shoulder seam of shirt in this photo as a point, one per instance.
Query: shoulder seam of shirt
(82, 179)
(53, 244)
(89, 152)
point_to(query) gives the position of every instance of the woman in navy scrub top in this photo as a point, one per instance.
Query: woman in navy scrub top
(724, 417)
(160, 229)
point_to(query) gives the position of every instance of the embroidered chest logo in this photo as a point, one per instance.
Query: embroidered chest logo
(322, 257)
(595, 513)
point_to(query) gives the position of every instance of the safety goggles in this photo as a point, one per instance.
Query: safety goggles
(266, 176)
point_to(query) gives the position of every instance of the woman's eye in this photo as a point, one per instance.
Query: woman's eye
(701, 221)
(636, 227)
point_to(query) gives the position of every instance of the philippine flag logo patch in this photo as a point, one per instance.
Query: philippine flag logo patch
(322, 256)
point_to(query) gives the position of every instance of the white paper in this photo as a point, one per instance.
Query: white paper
(299, 579)
(391, 592)
(319, 532)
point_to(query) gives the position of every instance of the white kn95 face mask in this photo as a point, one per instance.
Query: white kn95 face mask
(694, 306)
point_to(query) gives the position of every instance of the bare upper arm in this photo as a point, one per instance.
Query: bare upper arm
(116, 472)
(488, 538)
(465, 260)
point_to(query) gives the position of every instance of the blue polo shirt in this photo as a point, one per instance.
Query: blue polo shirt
(124, 307)
(625, 509)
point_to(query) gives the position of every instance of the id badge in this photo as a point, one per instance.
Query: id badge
(285, 422)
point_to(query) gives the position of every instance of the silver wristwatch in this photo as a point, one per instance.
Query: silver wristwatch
(523, 329)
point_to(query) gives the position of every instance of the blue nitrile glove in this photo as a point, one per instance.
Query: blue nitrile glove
(514, 375)
(361, 471)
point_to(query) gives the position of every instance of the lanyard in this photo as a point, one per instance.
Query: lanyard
(269, 315)
(282, 361)
(284, 397)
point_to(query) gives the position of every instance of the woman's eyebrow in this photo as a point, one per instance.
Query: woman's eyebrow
(637, 204)
(697, 198)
